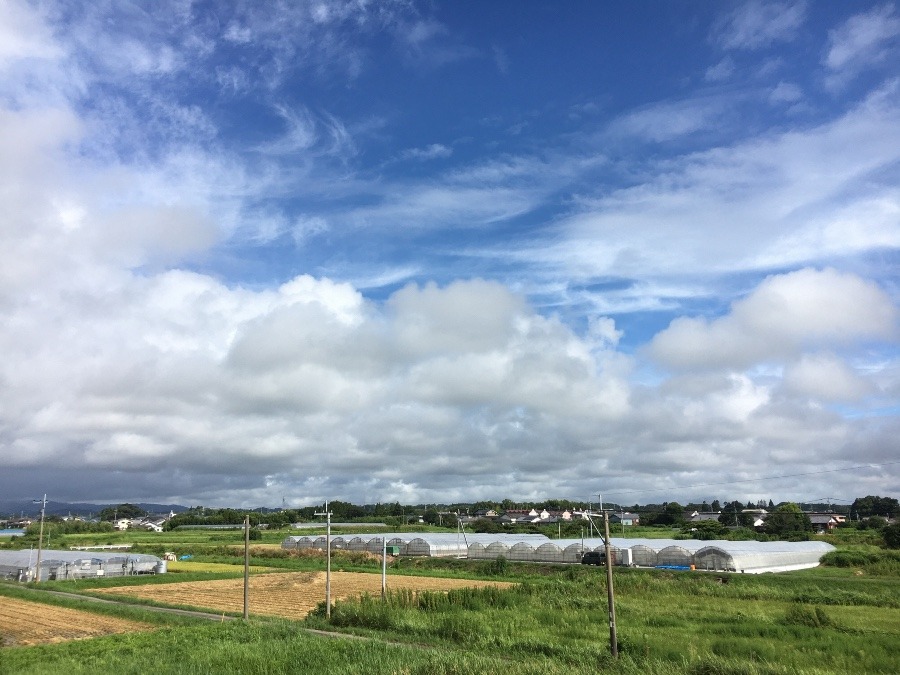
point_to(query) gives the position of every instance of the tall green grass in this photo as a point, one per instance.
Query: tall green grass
(828, 620)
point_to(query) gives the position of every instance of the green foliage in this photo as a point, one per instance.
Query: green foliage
(892, 535)
(705, 530)
(122, 511)
(871, 505)
(497, 567)
(431, 516)
(873, 523)
(789, 521)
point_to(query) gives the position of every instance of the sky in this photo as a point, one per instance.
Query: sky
(429, 252)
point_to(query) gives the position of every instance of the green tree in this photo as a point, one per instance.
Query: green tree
(431, 516)
(122, 511)
(705, 529)
(872, 505)
(892, 535)
(788, 520)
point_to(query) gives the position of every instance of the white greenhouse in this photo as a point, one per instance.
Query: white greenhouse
(58, 565)
(728, 556)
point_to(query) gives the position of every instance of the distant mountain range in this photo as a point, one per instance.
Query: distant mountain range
(28, 508)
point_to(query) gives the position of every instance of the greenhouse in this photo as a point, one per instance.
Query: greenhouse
(760, 556)
(736, 556)
(57, 565)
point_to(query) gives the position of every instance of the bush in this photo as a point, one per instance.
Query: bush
(892, 535)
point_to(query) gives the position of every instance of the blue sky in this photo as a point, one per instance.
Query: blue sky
(442, 251)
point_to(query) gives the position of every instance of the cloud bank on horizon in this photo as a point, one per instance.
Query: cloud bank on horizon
(413, 252)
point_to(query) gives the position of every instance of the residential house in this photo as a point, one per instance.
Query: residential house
(823, 523)
(625, 518)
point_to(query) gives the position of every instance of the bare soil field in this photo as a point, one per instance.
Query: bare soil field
(24, 623)
(291, 595)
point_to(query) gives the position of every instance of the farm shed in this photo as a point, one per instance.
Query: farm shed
(21, 565)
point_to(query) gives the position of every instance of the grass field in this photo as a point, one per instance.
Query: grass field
(837, 619)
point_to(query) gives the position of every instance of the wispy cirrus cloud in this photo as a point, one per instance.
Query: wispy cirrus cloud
(433, 151)
(758, 24)
(863, 41)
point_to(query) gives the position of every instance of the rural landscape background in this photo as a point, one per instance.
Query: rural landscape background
(451, 615)
(448, 267)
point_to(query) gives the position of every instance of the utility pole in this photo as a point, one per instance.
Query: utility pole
(610, 595)
(613, 642)
(383, 569)
(37, 576)
(327, 515)
(246, 567)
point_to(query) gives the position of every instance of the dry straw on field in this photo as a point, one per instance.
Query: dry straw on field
(290, 596)
(25, 623)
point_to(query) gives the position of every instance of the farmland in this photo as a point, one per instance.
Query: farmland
(291, 595)
(30, 623)
(548, 619)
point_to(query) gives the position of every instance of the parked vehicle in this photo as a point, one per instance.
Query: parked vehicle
(593, 558)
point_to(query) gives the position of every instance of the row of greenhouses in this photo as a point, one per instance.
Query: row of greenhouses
(730, 556)
(58, 565)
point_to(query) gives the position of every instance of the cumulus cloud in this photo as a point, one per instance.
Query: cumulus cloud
(828, 378)
(784, 316)
(149, 355)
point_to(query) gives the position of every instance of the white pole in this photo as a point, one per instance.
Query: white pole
(327, 515)
(37, 577)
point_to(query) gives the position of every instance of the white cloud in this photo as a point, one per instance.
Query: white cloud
(24, 35)
(662, 122)
(785, 92)
(828, 378)
(721, 71)
(784, 316)
(757, 24)
(775, 201)
(864, 39)
(433, 151)
(125, 375)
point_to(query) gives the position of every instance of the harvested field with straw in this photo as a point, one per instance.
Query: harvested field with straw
(290, 596)
(24, 623)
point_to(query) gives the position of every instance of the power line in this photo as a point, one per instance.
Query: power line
(753, 480)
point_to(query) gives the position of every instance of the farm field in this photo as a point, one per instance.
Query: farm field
(286, 595)
(25, 623)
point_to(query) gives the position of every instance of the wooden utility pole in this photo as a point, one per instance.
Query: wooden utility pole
(613, 642)
(246, 567)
